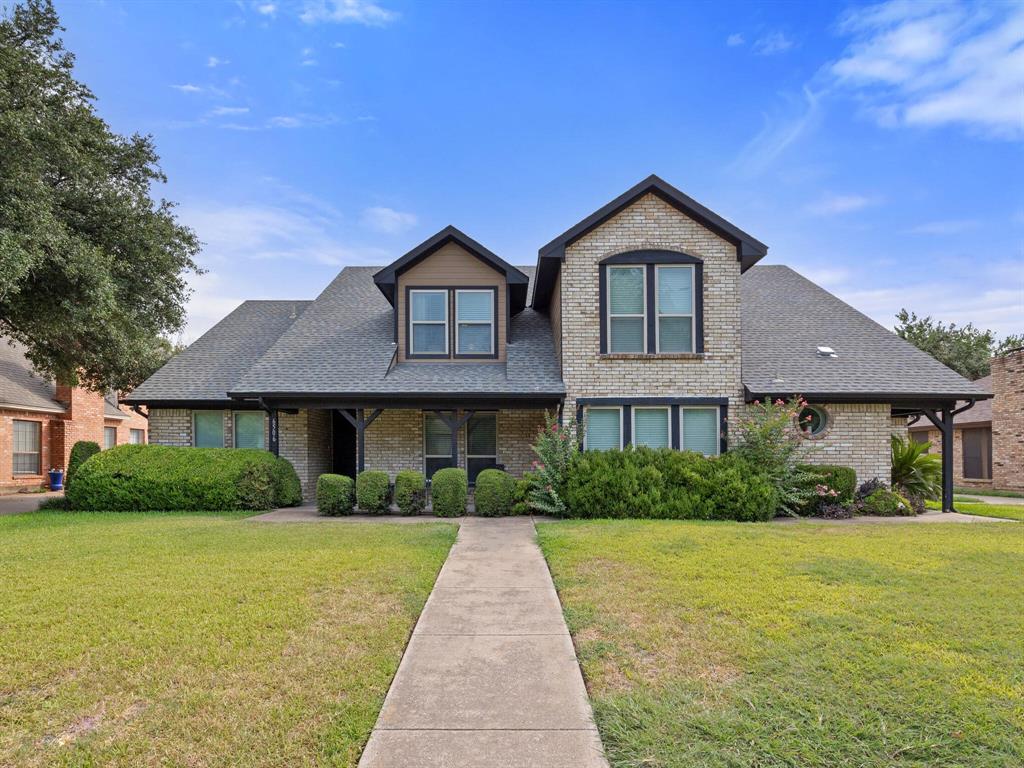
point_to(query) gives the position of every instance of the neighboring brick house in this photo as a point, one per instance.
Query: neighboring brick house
(40, 421)
(988, 438)
(649, 318)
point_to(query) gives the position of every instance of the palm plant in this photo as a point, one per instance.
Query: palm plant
(915, 472)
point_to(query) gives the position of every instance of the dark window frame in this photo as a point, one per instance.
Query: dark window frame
(651, 259)
(452, 331)
(675, 423)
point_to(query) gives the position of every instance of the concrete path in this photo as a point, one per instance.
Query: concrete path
(1012, 501)
(490, 677)
(16, 503)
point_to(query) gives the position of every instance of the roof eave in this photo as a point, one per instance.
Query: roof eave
(900, 398)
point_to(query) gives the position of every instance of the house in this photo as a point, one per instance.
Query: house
(988, 439)
(40, 421)
(649, 317)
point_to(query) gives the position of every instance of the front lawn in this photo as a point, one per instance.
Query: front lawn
(723, 644)
(162, 639)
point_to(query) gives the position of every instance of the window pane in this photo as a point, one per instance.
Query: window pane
(432, 465)
(627, 291)
(475, 339)
(474, 306)
(700, 430)
(438, 436)
(650, 427)
(430, 306)
(482, 435)
(26, 436)
(627, 334)
(675, 290)
(427, 339)
(136, 437)
(675, 334)
(209, 426)
(603, 429)
(109, 437)
(475, 466)
(249, 430)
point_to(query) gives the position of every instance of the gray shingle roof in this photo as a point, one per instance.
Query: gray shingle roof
(785, 317)
(214, 362)
(979, 413)
(19, 385)
(110, 409)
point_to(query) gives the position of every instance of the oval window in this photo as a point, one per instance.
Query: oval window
(812, 420)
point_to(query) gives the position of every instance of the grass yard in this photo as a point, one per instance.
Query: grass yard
(1008, 511)
(724, 644)
(202, 640)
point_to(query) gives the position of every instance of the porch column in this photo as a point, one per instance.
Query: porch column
(455, 423)
(943, 420)
(360, 422)
(275, 438)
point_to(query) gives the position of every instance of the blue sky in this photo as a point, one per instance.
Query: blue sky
(874, 148)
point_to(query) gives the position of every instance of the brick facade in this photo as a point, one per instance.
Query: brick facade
(1008, 421)
(857, 435)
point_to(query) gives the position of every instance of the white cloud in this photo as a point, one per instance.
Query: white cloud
(777, 134)
(306, 57)
(948, 227)
(772, 43)
(388, 220)
(734, 39)
(266, 9)
(935, 64)
(214, 62)
(221, 111)
(187, 88)
(337, 45)
(832, 205)
(363, 12)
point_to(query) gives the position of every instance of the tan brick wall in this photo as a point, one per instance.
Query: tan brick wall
(1008, 421)
(304, 438)
(857, 436)
(170, 426)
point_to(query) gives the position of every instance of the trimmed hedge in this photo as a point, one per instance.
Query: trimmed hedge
(81, 452)
(335, 495)
(521, 495)
(449, 490)
(667, 484)
(841, 479)
(410, 492)
(287, 487)
(886, 503)
(495, 493)
(159, 477)
(373, 491)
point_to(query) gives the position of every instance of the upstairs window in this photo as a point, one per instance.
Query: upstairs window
(675, 308)
(109, 437)
(137, 436)
(474, 319)
(428, 322)
(627, 321)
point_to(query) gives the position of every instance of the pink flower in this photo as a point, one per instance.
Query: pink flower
(554, 427)
(757, 402)
(779, 402)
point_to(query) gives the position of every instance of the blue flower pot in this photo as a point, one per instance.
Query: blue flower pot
(56, 480)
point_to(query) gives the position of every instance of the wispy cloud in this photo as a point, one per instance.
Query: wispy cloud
(266, 9)
(734, 40)
(388, 220)
(214, 61)
(363, 12)
(187, 88)
(778, 133)
(772, 43)
(833, 205)
(949, 227)
(306, 57)
(222, 111)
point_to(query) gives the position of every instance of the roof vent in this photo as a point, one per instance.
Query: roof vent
(826, 352)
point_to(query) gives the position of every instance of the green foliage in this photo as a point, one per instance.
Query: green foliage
(667, 484)
(410, 492)
(373, 491)
(832, 484)
(965, 349)
(556, 448)
(287, 487)
(92, 268)
(885, 503)
(80, 453)
(914, 471)
(335, 494)
(157, 477)
(449, 490)
(495, 493)
(521, 495)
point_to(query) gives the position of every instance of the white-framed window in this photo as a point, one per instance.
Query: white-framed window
(208, 429)
(674, 306)
(109, 437)
(481, 443)
(474, 322)
(699, 430)
(248, 429)
(652, 426)
(137, 436)
(604, 428)
(437, 444)
(627, 308)
(428, 322)
(28, 447)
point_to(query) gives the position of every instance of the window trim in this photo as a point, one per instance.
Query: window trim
(234, 428)
(38, 454)
(106, 431)
(676, 403)
(208, 410)
(826, 422)
(454, 459)
(493, 352)
(410, 323)
(140, 432)
(622, 423)
(668, 415)
(608, 307)
(682, 417)
(658, 313)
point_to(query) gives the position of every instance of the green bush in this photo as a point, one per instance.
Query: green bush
(410, 492)
(373, 491)
(287, 488)
(449, 489)
(494, 493)
(833, 477)
(335, 495)
(80, 453)
(158, 477)
(886, 503)
(667, 484)
(521, 495)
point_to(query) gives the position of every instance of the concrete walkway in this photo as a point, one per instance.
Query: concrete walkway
(16, 503)
(1012, 501)
(490, 677)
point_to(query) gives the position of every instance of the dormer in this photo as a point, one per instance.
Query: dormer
(452, 299)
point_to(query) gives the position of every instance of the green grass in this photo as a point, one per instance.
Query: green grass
(202, 640)
(991, 492)
(1009, 511)
(724, 644)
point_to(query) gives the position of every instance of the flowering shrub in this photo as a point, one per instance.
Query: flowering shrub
(556, 448)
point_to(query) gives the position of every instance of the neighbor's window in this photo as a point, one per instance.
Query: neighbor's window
(651, 427)
(137, 436)
(28, 441)
(474, 318)
(604, 429)
(674, 308)
(812, 420)
(627, 323)
(437, 444)
(249, 429)
(109, 437)
(700, 430)
(428, 322)
(481, 443)
(207, 429)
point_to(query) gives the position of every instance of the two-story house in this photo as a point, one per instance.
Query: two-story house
(649, 318)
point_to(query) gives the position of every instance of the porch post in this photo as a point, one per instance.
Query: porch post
(455, 438)
(360, 440)
(947, 460)
(275, 440)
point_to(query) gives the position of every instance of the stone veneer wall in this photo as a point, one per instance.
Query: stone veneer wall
(857, 436)
(1008, 421)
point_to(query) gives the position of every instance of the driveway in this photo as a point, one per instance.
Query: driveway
(15, 503)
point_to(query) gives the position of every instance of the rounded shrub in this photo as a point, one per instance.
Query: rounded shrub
(449, 489)
(80, 453)
(287, 488)
(158, 477)
(842, 480)
(410, 492)
(335, 495)
(373, 491)
(886, 503)
(495, 493)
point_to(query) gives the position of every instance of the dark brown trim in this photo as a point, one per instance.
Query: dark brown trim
(494, 330)
(911, 399)
(675, 404)
(652, 256)
(199, 405)
(452, 325)
(602, 305)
